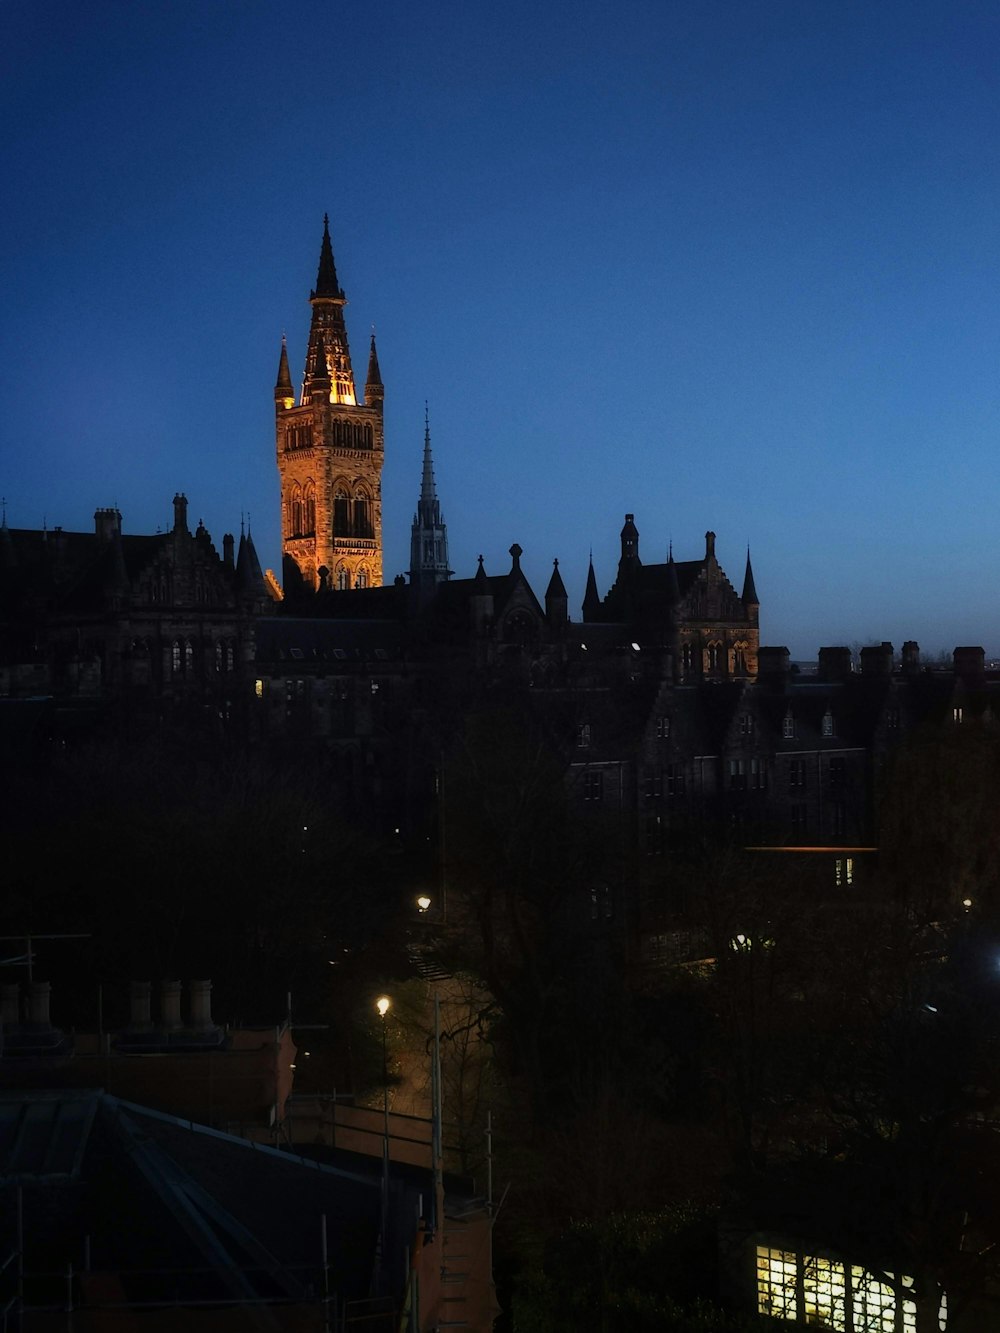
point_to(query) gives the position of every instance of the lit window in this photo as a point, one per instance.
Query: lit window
(956, 715)
(844, 871)
(837, 1295)
(258, 688)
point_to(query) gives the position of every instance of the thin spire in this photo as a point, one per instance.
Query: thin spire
(428, 493)
(374, 374)
(326, 277)
(591, 597)
(749, 590)
(284, 380)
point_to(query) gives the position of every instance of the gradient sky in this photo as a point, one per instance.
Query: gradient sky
(723, 264)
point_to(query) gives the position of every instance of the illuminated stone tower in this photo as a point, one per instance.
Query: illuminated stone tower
(330, 451)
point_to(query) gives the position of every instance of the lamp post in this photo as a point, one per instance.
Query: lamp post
(383, 1005)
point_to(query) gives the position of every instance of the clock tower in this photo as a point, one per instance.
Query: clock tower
(330, 450)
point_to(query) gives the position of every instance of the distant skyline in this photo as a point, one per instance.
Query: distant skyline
(723, 265)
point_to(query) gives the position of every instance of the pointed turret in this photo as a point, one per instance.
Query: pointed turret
(326, 277)
(374, 390)
(591, 597)
(428, 535)
(750, 597)
(556, 598)
(249, 575)
(481, 602)
(284, 394)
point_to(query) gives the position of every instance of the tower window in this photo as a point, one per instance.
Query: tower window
(341, 514)
(362, 519)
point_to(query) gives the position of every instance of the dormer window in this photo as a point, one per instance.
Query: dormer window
(827, 728)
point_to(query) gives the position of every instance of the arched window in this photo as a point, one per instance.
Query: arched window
(188, 656)
(341, 513)
(309, 509)
(369, 438)
(175, 657)
(229, 654)
(714, 656)
(218, 654)
(362, 578)
(295, 510)
(362, 515)
(343, 579)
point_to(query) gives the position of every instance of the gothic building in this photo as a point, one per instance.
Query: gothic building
(330, 450)
(688, 608)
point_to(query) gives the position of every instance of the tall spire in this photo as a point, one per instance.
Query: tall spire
(328, 352)
(750, 597)
(429, 535)
(428, 495)
(326, 277)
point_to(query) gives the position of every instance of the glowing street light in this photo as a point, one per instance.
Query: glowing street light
(383, 1004)
(423, 903)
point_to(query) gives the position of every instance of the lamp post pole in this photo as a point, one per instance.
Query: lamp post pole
(383, 1004)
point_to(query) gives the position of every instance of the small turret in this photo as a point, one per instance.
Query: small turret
(630, 546)
(374, 389)
(180, 513)
(284, 394)
(556, 598)
(481, 601)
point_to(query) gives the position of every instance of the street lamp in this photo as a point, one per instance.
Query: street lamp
(423, 903)
(383, 1004)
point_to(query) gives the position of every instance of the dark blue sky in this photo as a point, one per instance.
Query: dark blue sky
(724, 264)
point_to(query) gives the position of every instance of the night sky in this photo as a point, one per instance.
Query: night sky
(720, 263)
